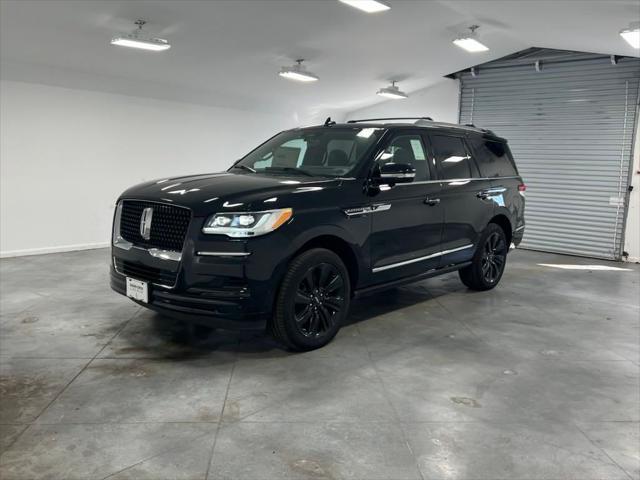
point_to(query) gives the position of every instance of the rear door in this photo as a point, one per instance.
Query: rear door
(466, 197)
(406, 226)
(494, 161)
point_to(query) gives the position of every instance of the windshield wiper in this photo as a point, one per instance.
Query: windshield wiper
(244, 167)
(293, 170)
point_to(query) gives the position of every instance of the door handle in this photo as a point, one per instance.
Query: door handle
(432, 201)
(483, 195)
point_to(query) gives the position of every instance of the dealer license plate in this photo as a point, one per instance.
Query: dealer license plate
(138, 290)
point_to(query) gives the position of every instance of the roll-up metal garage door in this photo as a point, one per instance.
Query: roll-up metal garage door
(570, 121)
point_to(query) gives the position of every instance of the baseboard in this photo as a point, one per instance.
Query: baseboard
(45, 250)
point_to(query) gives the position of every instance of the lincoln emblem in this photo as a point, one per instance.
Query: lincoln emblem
(145, 223)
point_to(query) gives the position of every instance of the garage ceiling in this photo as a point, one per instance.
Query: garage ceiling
(228, 53)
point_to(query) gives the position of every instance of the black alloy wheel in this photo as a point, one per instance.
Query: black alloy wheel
(489, 260)
(319, 300)
(312, 301)
(494, 257)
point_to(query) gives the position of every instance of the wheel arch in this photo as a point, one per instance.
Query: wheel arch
(503, 222)
(341, 248)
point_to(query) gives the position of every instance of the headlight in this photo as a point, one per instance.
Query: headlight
(246, 224)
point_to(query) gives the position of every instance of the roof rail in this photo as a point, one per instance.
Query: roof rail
(390, 118)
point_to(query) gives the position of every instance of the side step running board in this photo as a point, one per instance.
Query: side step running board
(403, 281)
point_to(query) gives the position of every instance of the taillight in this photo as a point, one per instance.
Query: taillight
(522, 188)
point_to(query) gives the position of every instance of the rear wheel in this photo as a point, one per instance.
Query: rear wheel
(313, 300)
(488, 263)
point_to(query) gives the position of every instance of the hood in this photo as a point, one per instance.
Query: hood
(229, 191)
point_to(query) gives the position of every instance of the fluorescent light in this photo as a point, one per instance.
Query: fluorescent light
(470, 43)
(631, 36)
(369, 6)
(152, 44)
(137, 39)
(392, 91)
(298, 72)
(395, 96)
(299, 76)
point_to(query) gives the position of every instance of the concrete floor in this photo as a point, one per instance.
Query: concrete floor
(536, 379)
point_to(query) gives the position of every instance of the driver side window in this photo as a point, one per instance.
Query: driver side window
(408, 150)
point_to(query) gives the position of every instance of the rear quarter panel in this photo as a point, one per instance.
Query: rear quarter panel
(511, 204)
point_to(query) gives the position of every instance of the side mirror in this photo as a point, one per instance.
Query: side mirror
(392, 173)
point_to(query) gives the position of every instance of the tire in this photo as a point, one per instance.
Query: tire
(312, 302)
(488, 263)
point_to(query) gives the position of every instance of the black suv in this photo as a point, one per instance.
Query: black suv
(316, 216)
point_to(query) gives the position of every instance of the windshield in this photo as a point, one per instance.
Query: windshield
(322, 151)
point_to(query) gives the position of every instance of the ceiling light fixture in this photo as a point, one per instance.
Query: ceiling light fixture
(369, 6)
(392, 91)
(298, 72)
(470, 42)
(632, 34)
(137, 39)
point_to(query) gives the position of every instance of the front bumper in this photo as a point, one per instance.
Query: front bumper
(214, 308)
(230, 292)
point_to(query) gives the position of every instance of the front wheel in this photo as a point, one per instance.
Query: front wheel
(488, 263)
(313, 300)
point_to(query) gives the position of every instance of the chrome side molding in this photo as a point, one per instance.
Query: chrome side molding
(455, 180)
(223, 254)
(398, 175)
(419, 259)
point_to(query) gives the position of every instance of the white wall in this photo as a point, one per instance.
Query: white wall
(439, 101)
(65, 155)
(632, 231)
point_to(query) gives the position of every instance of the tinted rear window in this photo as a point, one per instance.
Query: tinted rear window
(493, 158)
(452, 156)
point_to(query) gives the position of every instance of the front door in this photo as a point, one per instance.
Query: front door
(407, 219)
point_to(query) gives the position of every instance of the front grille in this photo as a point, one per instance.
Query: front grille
(169, 224)
(144, 272)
